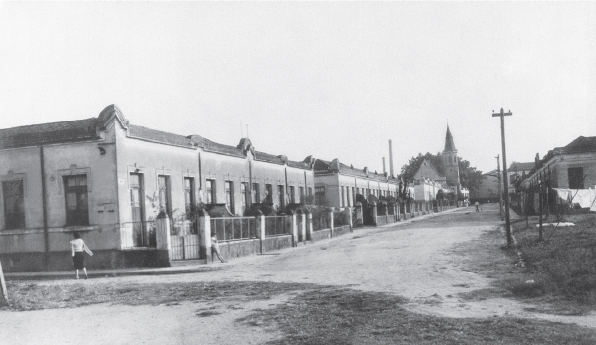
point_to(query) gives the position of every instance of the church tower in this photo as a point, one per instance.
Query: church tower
(450, 162)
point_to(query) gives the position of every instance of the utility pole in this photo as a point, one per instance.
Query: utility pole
(500, 192)
(502, 115)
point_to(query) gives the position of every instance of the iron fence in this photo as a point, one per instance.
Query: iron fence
(143, 233)
(233, 228)
(278, 225)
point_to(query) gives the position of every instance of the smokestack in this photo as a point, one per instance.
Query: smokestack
(384, 170)
(390, 158)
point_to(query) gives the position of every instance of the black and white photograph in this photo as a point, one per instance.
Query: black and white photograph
(297, 172)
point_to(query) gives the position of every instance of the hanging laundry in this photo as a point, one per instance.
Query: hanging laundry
(581, 197)
(563, 193)
(593, 198)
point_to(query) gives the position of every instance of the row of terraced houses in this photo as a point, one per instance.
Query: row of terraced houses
(118, 183)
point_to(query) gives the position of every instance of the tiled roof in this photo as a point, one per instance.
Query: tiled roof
(344, 169)
(158, 136)
(221, 148)
(521, 166)
(299, 165)
(266, 157)
(48, 133)
(581, 144)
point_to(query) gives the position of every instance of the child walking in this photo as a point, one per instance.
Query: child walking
(78, 246)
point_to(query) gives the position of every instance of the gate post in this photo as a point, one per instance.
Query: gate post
(163, 240)
(348, 216)
(331, 220)
(359, 219)
(294, 230)
(374, 212)
(205, 236)
(303, 227)
(309, 227)
(260, 228)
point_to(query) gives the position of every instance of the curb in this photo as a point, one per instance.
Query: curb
(116, 273)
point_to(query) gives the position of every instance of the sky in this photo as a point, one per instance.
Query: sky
(327, 79)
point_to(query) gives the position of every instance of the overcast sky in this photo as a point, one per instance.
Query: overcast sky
(332, 80)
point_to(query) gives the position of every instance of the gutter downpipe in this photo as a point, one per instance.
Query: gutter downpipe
(46, 234)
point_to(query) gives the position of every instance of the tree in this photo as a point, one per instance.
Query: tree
(469, 177)
(408, 170)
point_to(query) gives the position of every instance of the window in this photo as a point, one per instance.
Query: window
(14, 204)
(292, 195)
(137, 204)
(280, 194)
(576, 178)
(229, 186)
(255, 187)
(244, 190)
(268, 193)
(320, 194)
(77, 207)
(165, 194)
(301, 190)
(189, 195)
(210, 192)
(343, 201)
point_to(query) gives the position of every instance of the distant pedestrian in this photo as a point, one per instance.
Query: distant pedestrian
(215, 249)
(477, 204)
(78, 246)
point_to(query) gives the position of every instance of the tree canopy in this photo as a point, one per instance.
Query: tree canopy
(408, 170)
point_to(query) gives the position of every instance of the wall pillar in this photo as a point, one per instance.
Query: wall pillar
(260, 231)
(331, 219)
(294, 230)
(374, 212)
(303, 227)
(348, 217)
(163, 240)
(309, 226)
(205, 236)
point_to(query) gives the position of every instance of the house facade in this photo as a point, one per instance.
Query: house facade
(338, 184)
(109, 179)
(572, 166)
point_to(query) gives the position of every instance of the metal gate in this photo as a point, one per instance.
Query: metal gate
(185, 247)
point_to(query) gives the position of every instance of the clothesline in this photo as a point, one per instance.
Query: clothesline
(584, 197)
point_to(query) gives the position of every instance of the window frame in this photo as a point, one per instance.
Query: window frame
(80, 215)
(10, 223)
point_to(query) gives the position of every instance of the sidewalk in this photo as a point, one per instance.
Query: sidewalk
(118, 272)
(198, 268)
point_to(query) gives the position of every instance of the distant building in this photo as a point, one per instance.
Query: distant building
(339, 184)
(427, 177)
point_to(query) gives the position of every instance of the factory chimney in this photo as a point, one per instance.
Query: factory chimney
(391, 158)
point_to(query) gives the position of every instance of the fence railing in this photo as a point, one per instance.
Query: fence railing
(278, 225)
(320, 221)
(141, 233)
(234, 228)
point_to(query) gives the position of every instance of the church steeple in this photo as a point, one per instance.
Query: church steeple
(450, 162)
(449, 145)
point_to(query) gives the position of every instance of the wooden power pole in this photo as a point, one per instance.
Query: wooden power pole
(500, 191)
(502, 115)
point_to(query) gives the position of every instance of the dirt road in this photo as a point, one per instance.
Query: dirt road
(429, 262)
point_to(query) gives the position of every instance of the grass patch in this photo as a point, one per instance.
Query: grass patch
(564, 263)
(32, 296)
(345, 316)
